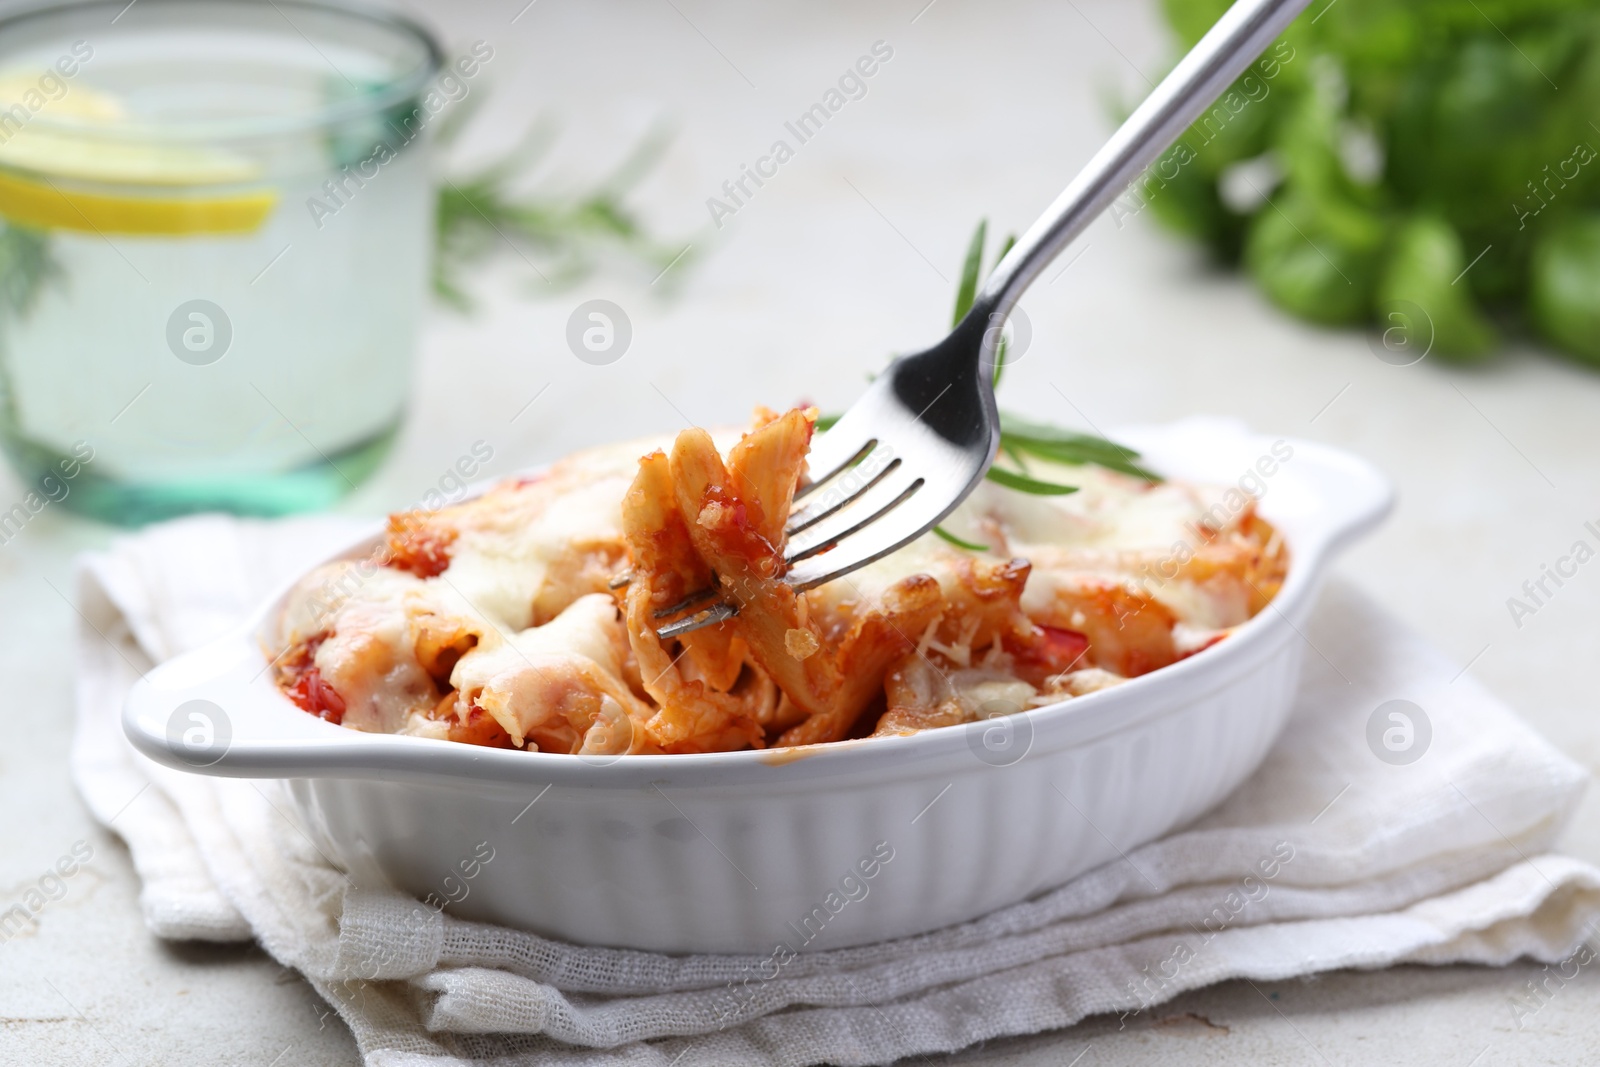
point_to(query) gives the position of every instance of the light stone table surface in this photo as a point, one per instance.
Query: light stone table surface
(847, 254)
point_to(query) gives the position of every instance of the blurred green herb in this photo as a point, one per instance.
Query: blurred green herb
(26, 266)
(484, 213)
(478, 216)
(1389, 151)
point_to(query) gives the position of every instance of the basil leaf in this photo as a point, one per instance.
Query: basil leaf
(1565, 298)
(1424, 263)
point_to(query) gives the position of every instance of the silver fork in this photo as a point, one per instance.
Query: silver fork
(920, 439)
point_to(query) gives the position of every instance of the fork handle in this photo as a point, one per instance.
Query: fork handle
(1224, 53)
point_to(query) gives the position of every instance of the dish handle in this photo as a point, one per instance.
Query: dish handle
(217, 710)
(1337, 496)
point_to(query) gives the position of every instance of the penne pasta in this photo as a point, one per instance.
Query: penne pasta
(499, 621)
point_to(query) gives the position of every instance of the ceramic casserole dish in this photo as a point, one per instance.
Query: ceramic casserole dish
(831, 845)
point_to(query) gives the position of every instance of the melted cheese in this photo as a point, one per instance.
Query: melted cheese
(532, 552)
(531, 677)
(368, 657)
(1114, 529)
(590, 629)
(505, 555)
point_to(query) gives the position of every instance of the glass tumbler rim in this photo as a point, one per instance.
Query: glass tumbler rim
(392, 92)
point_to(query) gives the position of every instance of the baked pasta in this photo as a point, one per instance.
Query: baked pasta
(528, 616)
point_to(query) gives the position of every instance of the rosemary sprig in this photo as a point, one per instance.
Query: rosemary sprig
(26, 266)
(1000, 349)
(478, 216)
(954, 540)
(481, 213)
(967, 288)
(966, 293)
(971, 267)
(1020, 437)
(1024, 484)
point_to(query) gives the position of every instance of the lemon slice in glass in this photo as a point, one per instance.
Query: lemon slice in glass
(77, 173)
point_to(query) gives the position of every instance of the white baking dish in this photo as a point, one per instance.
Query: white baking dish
(739, 851)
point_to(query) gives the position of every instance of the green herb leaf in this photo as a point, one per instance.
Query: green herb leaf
(1022, 435)
(27, 265)
(970, 269)
(1077, 456)
(1565, 300)
(1000, 349)
(1417, 152)
(1024, 484)
(954, 540)
(481, 214)
(1424, 260)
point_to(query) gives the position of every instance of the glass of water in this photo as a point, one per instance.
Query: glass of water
(215, 234)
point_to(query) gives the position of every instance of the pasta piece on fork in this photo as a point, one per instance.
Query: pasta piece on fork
(732, 515)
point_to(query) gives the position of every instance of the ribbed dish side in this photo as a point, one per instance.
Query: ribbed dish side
(736, 871)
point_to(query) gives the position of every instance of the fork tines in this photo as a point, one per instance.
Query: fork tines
(719, 612)
(855, 492)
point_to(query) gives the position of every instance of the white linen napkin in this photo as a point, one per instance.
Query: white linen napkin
(1328, 857)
